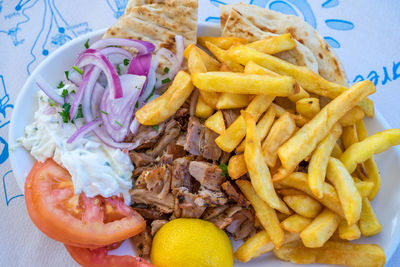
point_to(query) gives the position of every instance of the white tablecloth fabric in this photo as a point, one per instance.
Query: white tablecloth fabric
(365, 34)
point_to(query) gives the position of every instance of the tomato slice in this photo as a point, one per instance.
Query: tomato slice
(99, 258)
(76, 220)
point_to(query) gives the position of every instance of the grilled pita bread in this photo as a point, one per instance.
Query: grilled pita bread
(254, 23)
(157, 21)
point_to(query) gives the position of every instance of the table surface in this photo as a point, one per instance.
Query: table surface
(364, 33)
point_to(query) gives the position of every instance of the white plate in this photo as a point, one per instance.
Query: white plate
(386, 204)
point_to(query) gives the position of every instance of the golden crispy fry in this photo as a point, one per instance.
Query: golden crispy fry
(370, 164)
(221, 42)
(303, 205)
(259, 244)
(280, 132)
(352, 116)
(347, 192)
(211, 63)
(364, 188)
(307, 138)
(274, 44)
(279, 111)
(241, 83)
(237, 130)
(374, 144)
(320, 229)
(349, 136)
(216, 122)
(289, 192)
(298, 180)
(229, 101)
(196, 64)
(368, 107)
(264, 213)
(237, 166)
(203, 110)
(337, 151)
(164, 106)
(306, 78)
(333, 252)
(319, 161)
(349, 232)
(263, 127)
(224, 58)
(308, 107)
(258, 170)
(295, 223)
(369, 224)
(253, 68)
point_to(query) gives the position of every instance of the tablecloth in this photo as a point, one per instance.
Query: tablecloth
(364, 33)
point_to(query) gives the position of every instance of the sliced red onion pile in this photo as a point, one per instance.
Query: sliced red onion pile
(109, 107)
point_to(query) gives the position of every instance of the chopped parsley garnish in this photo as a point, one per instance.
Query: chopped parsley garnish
(224, 169)
(137, 104)
(120, 124)
(167, 80)
(66, 74)
(118, 70)
(151, 94)
(87, 44)
(155, 127)
(126, 62)
(52, 103)
(65, 112)
(77, 69)
(102, 111)
(64, 93)
(79, 114)
(60, 85)
(166, 70)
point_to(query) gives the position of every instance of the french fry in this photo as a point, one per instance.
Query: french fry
(295, 223)
(347, 192)
(216, 122)
(306, 78)
(279, 111)
(319, 161)
(337, 151)
(237, 130)
(259, 244)
(307, 138)
(242, 83)
(298, 180)
(253, 68)
(364, 188)
(370, 164)
(164, 106)
(369, 224)
(374, 144)
(349, 136)
(211, 63)
(333, 252)
(258, 170)
(230, 101)
(224, 58)
(263, 127)
(303, 205)
(203, 110)
(264, 213)
(280, 132)
(349, 232)
(320, 229)
(237, 166)
(221, 42)
(274, 44)
(289, 192)
(308, 107)
(352, 116)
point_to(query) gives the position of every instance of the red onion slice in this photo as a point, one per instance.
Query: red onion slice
(75, 77)
(49, 90)
(87, 81)
(88, 127)
(143, 47)
(116, 55)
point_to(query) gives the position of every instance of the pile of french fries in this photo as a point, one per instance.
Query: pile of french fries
(302, 142)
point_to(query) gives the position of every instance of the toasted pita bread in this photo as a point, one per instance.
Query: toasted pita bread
(157, 21)
(253, 22)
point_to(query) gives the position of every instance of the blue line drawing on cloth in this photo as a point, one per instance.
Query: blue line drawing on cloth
(217, 3)
(389, 74)
(4, 103)
(330, 3)
(5, 189)
(119, 7)
(340, 25)
(54, 32)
